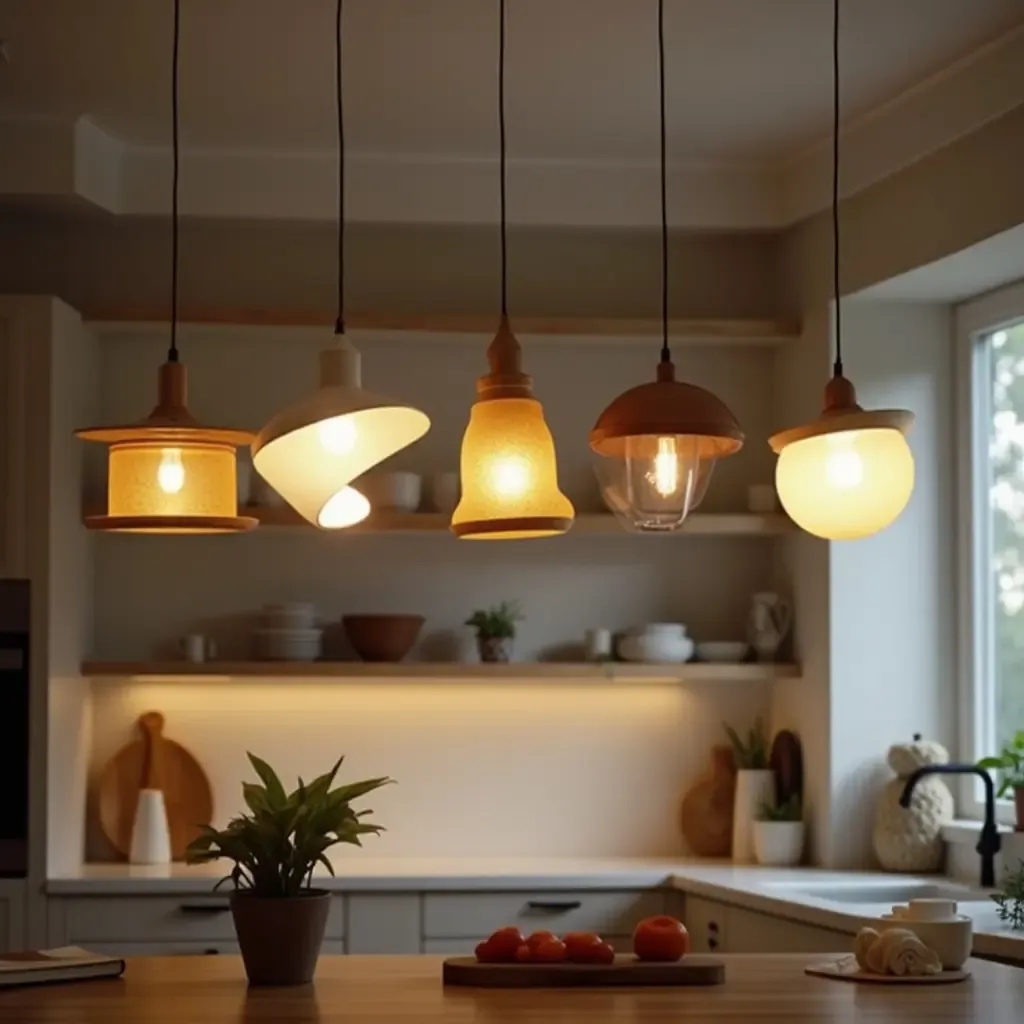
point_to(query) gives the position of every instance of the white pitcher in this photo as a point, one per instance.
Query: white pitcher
(771, 617)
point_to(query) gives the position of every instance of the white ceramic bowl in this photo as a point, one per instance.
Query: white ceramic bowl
(655, 648)
(723, 652)
(951, 939)
(391, 492)
(290, 615)
(287, 644)
(657, 629)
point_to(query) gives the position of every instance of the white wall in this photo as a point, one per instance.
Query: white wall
(892, 623)
(552, 769)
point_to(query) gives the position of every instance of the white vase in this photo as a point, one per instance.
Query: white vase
(753, 788)
(779, 843)
(151, 838)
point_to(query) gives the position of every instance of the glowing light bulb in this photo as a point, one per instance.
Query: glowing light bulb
(344, 508)
(170, 474)
(665, 475)
(844, 468)
(510, 476)
(338, 435)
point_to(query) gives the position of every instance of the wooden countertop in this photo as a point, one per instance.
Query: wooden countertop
(386, 990)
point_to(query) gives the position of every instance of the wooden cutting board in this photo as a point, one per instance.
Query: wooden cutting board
(154, 762)
(626, 971)
(787, 761)
(706, 814)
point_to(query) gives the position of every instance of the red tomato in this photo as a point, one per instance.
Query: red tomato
(580, 946)
(502, 945)
(661, 939)
(550, 951)
(604, 953)
(524, 954)
(536, 939)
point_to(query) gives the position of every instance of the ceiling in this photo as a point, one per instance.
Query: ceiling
(748, 80)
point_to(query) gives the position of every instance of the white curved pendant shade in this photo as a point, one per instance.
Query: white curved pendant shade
(311, 451)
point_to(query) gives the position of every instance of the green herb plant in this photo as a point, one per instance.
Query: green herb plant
(497, 623)
(276, 846)
(789, 810)
(1010, 900)
(1009, 763)
(752, 754)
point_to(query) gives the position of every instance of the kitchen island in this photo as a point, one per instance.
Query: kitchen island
(385, 990)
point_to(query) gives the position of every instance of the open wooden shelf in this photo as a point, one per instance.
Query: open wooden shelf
(751, 331)
(740, 524)
(554, 671)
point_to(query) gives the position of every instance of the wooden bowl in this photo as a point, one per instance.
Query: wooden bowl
(382, 637)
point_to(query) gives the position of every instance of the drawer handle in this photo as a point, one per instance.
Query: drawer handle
(712, 943)
(712, 926)
(206, 908)
(554, 906)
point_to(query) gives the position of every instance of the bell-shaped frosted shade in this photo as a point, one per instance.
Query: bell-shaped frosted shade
(311, 452)
(509, 476)
(846, 485)
(653, 482)
(160, 479)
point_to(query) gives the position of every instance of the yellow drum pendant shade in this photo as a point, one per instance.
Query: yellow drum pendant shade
(849, 473)
(311, 451)
(169, 474)
(509, 473)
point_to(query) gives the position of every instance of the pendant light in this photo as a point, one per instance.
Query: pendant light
(509, 475)
(168, 473)
(656, 445)
(850, 472)
(312, 450)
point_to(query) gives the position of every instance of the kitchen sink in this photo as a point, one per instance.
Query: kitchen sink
(881, 892)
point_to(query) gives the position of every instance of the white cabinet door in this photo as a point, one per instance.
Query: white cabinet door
(131, 949)
(705, 920)
(383, 923)
(752, 932)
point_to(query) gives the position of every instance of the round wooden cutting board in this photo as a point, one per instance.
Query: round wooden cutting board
(162, 764)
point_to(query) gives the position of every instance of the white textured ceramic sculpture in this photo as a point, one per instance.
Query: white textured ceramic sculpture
(910, 839)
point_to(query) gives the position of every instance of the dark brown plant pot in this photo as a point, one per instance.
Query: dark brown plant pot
(280, 938)
(1018, 800)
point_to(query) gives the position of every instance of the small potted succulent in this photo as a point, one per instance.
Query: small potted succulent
(755, 785)
(779, 833)
(1009, 763)
(496, 630)
(279, 917)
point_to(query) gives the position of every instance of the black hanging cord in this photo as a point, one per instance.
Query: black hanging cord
(501, 147)
(172, 353)
(837, 368)
(339, 323)
(666, 355)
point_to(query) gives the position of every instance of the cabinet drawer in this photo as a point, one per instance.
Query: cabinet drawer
(162, 919)
(131, 949)
(458, 915)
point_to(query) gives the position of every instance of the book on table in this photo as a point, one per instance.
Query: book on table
(53, 966)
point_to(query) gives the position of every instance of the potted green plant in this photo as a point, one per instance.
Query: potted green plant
(779, 833)
(1010, 899)
(496, 630)
(279, 917)
(755, 785)
(1009, 763)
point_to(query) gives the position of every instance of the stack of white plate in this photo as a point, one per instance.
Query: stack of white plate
(288, 632)
(664, 642)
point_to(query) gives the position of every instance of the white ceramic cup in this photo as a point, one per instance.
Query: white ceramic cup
(597, 644)
(197, 648)
(762, 499)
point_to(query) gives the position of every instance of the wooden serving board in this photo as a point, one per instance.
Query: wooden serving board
(847, 969)
(626, 971)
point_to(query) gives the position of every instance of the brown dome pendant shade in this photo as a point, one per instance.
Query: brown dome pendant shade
(656, 445)
(850, 472)
(168, 473)
(508, 468)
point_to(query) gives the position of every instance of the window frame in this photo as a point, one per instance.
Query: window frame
(976, 319)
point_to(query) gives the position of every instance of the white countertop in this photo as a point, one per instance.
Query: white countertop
(773, 891)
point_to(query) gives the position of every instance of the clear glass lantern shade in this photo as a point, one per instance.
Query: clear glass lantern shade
(846, 485)
(161, 479)
(509, 474)
(652, 483)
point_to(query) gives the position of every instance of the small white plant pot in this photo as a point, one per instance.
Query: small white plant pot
(753, 788)
(779, 844)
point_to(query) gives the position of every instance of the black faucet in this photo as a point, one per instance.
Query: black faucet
(989, 841)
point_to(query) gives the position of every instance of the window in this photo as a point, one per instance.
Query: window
(990, 376)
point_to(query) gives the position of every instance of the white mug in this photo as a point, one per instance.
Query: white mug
(597, 645)
(197, 648)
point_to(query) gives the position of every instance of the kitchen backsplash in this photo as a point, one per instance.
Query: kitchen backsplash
(523, 768)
